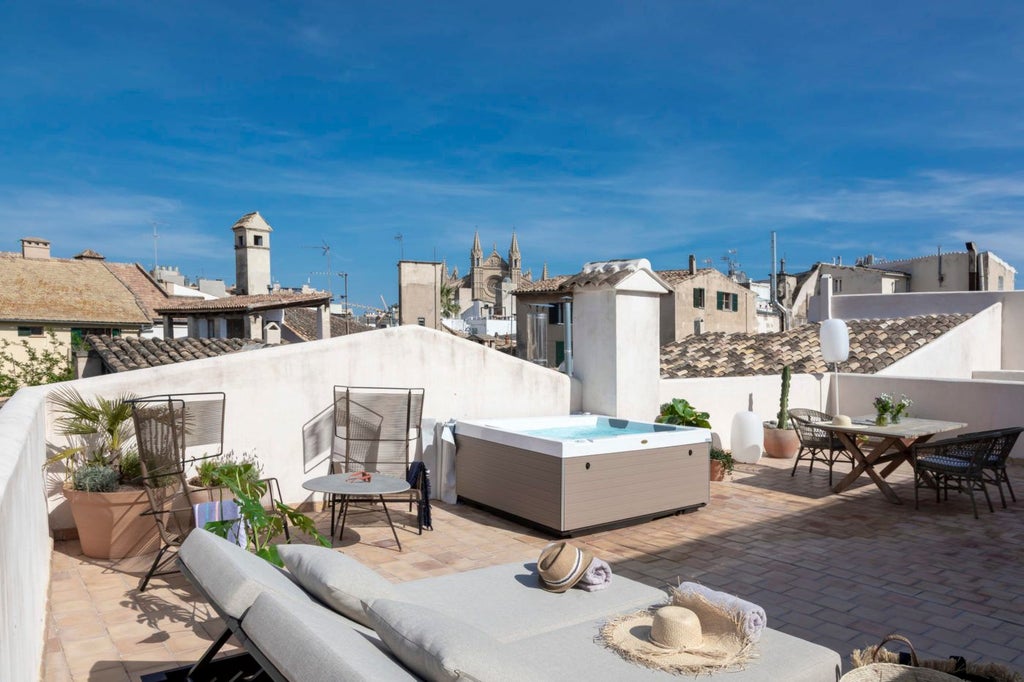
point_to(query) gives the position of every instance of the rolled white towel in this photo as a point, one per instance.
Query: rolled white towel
(597, 577)
(750, 618)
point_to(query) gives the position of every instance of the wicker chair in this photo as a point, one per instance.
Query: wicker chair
(957, 463)
(995, 466)
(375, 430)
(816, 444)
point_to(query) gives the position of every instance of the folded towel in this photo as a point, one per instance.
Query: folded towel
(750, 618)
(597, 577)
(222, 511)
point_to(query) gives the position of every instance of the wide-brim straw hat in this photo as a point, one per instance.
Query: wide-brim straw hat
(561, 565)
(679, 640)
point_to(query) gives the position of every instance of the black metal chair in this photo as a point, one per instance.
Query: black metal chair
(956, 463)
(375, 430)
(995, 466)
(816, 444)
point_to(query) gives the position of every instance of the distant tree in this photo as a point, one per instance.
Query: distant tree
(449, 306)
(40, 366)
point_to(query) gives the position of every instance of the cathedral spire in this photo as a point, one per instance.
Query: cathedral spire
(544, 273)
(513, 250)
(477, 253)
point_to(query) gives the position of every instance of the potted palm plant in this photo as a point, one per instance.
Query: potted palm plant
(101, 466)
(780, 438)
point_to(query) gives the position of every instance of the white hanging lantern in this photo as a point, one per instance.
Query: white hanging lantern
(746, 437)
(835, 340)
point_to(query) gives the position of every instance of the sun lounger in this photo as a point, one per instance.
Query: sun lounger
(512, 622)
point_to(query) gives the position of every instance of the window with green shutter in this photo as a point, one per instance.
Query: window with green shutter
(698, 297)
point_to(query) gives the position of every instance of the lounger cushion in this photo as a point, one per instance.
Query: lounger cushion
(339, 581)
(230, 576)
(573, 654)
(439, 647)
(508, 603)
(310, 643)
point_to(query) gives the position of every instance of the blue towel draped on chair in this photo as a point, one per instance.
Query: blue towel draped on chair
(222, 511)
(419, 478)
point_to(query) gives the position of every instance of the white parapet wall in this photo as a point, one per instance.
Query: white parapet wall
(278, 397)
(24, 537)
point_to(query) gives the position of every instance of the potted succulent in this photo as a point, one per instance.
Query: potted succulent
(721, 464)
(780, 438)
(208, 484)
(101, 467)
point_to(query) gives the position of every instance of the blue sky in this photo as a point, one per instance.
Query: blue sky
(596, 129)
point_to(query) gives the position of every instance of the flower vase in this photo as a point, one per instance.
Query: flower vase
(897, 415)
(882, 419)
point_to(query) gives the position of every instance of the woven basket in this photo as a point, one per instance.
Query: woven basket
(878, 664)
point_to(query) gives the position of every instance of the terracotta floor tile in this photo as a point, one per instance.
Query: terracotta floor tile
(841, 570)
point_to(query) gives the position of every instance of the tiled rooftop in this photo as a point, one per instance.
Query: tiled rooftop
(303, 322)
(124, 353)
(240, 304)
(874, 345)
(840, 570)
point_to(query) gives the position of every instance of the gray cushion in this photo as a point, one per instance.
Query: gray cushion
(573, 654)
(508, 603)
(339, 581)
(439, 647)
(230, 576)
(310, 643)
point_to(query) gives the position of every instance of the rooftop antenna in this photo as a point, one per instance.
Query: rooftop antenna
(401, 245)
(730, 259)
(156, 236)
(327, 252)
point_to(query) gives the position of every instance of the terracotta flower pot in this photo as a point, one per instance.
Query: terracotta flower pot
(110, 525)
(717, 471)
(781, 443)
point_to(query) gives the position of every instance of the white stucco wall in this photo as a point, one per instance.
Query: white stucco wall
(593, 320)
(981, 404)
(973, 345)
(273, 393)
(24, 538)
(722, 398)
(902, 305)
(1001, 375)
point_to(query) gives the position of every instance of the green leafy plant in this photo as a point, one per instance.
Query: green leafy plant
(36, 366)
(262, 525)
(725, 458)
(681, 413)
(209, 472)
(782, 421)
(103, 428)
(449, 306)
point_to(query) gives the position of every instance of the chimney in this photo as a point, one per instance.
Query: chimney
(34, 247)
(693, 264)
(972, 267)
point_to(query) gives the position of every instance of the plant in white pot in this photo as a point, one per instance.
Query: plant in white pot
(780, 438)
(101, 466)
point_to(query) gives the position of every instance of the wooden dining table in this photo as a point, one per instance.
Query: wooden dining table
(889, 445)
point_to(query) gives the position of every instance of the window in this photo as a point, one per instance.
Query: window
(241, 240)
(30, 331)
(257, 240)
(559, 353)
(556, 314)
(726, 301)
(698, 297)
(837, 286)
(1000, 282)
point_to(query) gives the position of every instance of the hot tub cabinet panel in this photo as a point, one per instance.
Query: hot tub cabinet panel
(518, 482)
(629, 485)
(569, 494)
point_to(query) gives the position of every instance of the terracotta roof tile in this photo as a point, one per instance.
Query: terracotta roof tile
(125, 353)
(549, 285)
(874, 345)
(148, 293)
(241, 304)
(62, 290)
(302, 321)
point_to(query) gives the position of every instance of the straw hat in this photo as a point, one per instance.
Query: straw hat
(561, 565)
(677, 639)
(842, 420)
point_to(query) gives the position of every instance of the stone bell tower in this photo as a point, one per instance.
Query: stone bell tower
(252, 254)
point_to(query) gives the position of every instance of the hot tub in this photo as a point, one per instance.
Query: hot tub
(577, 473)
